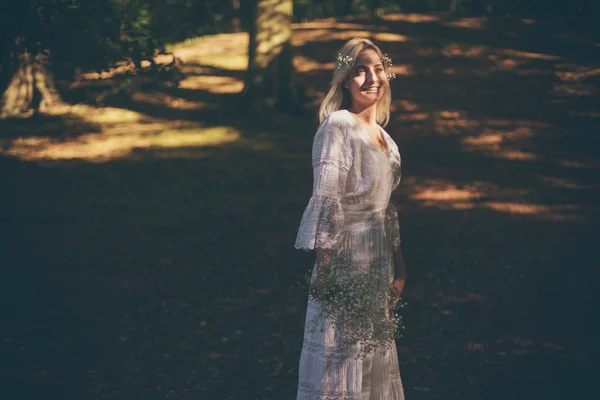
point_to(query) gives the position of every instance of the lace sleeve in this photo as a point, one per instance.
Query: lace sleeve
(392, 219)
(323, 219)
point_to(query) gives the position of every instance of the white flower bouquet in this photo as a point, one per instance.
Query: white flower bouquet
(362, 306)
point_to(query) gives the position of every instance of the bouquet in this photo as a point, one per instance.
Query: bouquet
(362, 306)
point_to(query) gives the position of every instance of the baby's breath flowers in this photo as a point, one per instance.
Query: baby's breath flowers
(387, 61)
(362, 306)
(345, 62)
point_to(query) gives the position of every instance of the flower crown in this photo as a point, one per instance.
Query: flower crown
(345, 62)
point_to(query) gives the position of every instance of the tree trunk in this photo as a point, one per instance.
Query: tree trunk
(375, 4)
(453, 5)
(31, 89)
(270, 68)
(349, 7)
(235, 23)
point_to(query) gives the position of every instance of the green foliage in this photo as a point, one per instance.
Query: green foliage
(312, 9)
(176, 20)
(91, 35)
(77, 34)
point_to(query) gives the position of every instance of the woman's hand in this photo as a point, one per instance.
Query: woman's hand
(399, 272)
(398, 284)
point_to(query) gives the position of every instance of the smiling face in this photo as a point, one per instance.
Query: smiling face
(367, 81)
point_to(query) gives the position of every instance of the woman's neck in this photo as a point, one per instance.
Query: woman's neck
(368, 115)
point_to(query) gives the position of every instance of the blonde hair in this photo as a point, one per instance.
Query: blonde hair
(339, 98)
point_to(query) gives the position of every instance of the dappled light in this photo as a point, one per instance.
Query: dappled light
(563, 183)
(119, 139)
(413, 18)
(579, 164)
(305, 64)
(456, 49)
(223, 51)
(492, 139)
(213, 84)
(573, 90)
(446, 192)
(516, 346)
(543, 211)
(529, 55)
(449, 196)
(516, 155)
(150, 189)
(117, 143)
(576, 73)
(475, 23)
(390, 37)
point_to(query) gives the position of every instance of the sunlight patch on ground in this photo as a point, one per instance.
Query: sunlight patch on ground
(517, 346)
(529, 55)
(516, 155)
(452, 122)
(406, 105)
(504, 64)
(161, 99)
(413, 117)
(502, 60)
(446, 195)
(578, 164)
(390, 37)
(320, 30)
(118, 142)
(102, 115)
(573, 89)
(403, 70)
(563, 183)
(213, 84)
(493, 137)
(308, 36)
(225, 51)
(347, 35)
(478, 23)
(474, 347)
(305, 64)
(550, 212)
(464, 50)
(231, 62)
(412, 18)
(570, 73)
(504, 139)
(447, 192)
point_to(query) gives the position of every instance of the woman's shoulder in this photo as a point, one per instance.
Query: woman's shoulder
(339, 121)
(339, 115)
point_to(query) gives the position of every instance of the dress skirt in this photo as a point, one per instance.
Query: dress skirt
(329, 372)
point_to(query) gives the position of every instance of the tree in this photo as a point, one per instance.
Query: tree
(46, 40)
(270, 70)
(30, 85)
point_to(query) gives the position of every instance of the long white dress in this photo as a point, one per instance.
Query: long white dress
(350, 208)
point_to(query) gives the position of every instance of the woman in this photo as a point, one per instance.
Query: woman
(356, 167)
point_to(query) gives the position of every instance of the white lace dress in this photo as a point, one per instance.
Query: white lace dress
(349, 208)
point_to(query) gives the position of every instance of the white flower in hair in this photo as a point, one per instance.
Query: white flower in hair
(387, 62)
(344, 61)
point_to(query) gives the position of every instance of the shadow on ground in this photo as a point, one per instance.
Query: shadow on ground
(168, 271)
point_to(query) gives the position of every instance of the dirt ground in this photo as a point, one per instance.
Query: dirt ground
(148, 232)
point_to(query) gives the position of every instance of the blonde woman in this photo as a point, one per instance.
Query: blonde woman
(356, 167)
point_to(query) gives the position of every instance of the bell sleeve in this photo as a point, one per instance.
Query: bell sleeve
(391, 217)
(323, 218)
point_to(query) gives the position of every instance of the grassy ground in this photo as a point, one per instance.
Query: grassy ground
(149, 237)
